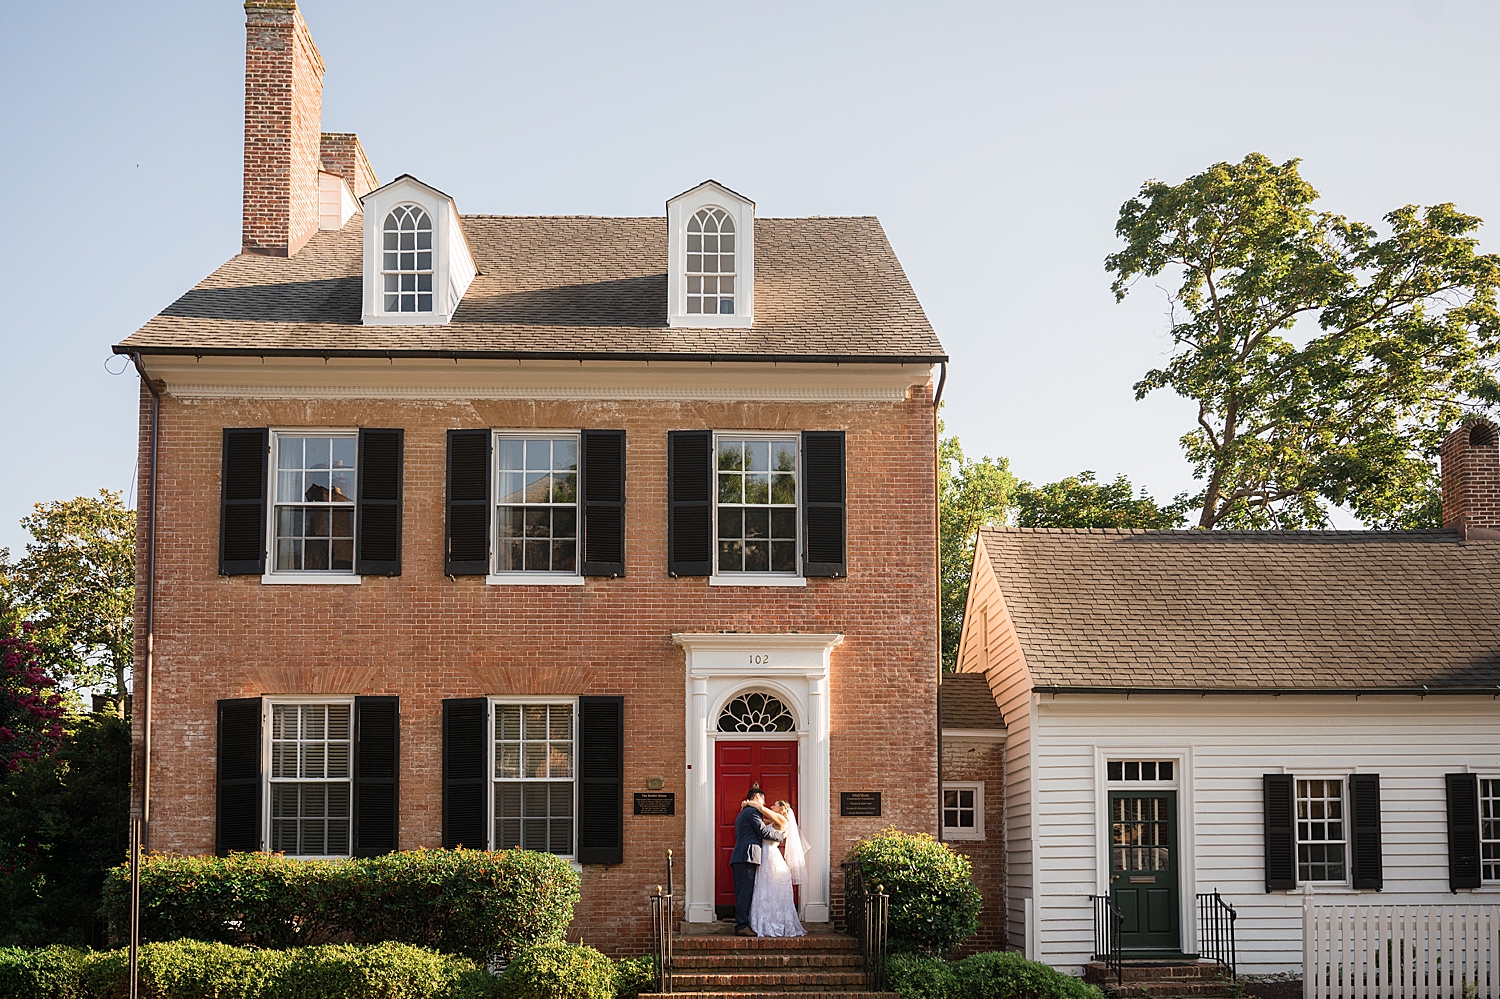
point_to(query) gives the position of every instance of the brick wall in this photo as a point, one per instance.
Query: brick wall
(983, 761)
(1471, 478)
(342, 154)
(283, 128)
(425, 637)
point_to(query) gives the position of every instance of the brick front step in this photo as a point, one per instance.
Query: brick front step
(1177, 990)
(1097, 972)
(717, 942)
(819, 981)
(749, 960)
(836, 994)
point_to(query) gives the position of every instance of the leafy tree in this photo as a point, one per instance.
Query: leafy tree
(63, 823)
(971, 494)
(29, 706)
(1326, 361)
(78, 579)
(1080, 501)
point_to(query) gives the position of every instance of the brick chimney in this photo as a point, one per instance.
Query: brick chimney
(343, 155)
(283, 128)
(1471, 480)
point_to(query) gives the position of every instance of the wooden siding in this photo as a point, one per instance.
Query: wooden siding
(991, 648)
(1225, 744)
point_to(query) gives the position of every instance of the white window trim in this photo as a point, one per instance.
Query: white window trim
(718, 578)
(494, 701)
(325, 577)
(1486, 884)
(266, 703)
(1342, 777)
(523, 577)
(959, 834)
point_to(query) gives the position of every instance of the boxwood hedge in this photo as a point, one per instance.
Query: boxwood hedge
(934, 905)
(470, 902)
(991, 975)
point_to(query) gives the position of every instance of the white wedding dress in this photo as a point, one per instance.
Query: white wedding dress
(773, 913)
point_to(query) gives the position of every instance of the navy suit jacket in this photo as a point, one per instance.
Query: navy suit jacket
(749, 830)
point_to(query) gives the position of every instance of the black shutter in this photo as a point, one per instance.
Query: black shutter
(601, 780)
(242, 502)
(1364, 827)
(601, 487)
(823, 503)
(237, 825)
(690, 509)
(1463, 831)
(377, 531)
(377, 755)
(1281, 859)
(465, 721)
(467, 552)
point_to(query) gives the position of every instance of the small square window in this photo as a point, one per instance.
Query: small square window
(963, 810)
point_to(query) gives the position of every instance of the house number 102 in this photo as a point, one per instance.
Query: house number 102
(760, 659)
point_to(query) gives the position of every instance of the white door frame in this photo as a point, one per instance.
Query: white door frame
(795, 668)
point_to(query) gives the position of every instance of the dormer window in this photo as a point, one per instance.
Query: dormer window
(406, 260)
(711, 249)
(710, 263)
(417, 263)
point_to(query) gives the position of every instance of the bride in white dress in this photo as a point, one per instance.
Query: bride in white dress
(773, 913)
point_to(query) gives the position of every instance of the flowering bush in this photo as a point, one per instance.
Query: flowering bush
(30, 707)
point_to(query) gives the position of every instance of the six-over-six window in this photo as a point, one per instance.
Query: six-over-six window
(313, 502)
(1489, 829)
(1321, 830)
(757, 504)
(533, 776)
(309, 785)
(536, 515)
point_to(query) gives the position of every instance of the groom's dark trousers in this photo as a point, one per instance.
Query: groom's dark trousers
(749, 830)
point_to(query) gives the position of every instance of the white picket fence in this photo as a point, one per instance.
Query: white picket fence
(1400, 951)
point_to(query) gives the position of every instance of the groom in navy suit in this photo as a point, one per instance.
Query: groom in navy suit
(749, 831)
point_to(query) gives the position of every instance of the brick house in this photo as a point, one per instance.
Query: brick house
(1301, 721)
(552, 532)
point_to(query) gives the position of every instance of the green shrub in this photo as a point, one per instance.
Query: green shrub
(63, 823)
(934, 904)
(195, 969)
(635, 975)
(559, 971)
(50, 973)
(469, 902)
(1008, 975)
(919, 977)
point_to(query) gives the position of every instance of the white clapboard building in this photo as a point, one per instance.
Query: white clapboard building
(1286, 718)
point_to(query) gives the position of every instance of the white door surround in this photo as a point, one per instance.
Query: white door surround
(794, 667)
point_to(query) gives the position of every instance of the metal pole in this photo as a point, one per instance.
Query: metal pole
(135, 905)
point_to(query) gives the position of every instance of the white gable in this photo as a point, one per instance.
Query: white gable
(446, 276)
(686, 310)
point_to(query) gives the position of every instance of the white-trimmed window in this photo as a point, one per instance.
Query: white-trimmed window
(536, 512)
(535, 787)
(308, 788)
(711, 263)
(1143, 771)
(1322, 832)
(406, 260)
(312, 503)
(963, 810)
(1489, 829)
(757, 499)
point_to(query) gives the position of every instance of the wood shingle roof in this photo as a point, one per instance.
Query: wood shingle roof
(1259, 611)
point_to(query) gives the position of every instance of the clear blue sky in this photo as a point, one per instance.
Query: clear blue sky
(995, 142)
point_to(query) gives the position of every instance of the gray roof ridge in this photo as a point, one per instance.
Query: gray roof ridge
(1285, 533)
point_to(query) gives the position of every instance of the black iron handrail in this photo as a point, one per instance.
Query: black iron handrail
(866, 915)
(1109, 922)
(663, 908)
(1216, 931)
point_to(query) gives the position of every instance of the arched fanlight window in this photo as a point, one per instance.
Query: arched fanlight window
(710, 263)
(407, 260)
(756, 712)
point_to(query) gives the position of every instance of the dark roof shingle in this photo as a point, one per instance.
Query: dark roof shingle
(1212, 610)
(565, 286)
(965, 701)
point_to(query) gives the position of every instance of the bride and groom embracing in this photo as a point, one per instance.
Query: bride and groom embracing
(763, 875)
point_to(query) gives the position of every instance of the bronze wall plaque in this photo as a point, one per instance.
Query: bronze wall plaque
(655, 803)
(864, 803)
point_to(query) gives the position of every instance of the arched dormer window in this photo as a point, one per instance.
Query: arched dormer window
(710, 263)
(406, 260)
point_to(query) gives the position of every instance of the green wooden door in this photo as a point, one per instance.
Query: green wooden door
(1143, 863)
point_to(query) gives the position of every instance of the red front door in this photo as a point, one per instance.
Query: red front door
(737, 765)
